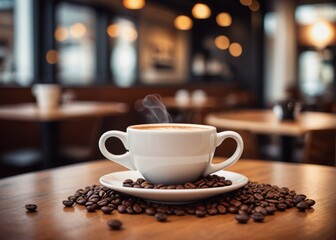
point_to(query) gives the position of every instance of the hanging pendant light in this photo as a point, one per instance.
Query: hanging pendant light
(201, 11)
(134, 4)
(183, 22)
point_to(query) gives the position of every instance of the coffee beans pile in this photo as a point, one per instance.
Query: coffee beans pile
(253, 201)
(210, 181)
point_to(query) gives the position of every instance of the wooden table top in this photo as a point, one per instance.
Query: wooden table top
(30, 111)
(265, 122)
(49, 188)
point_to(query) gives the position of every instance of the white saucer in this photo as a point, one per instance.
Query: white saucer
(115, 182)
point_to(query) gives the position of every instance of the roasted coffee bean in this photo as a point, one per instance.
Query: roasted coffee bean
(281, 207)
(244, 208)
(91, 208)
(121, 209)
(221, 209)
(212, 211)
(302, 206)
(68, 203)
(114, 224)
(261, 210)
(310, 202)
(233, 209)
(271, 210)
(252, 199)
(107, 210)
(257, 217)
(128, 181)
(161, 217)
(200, 213)
(179, 212)
(150, 211)
(205, 182)
(31, 207)
(137, 208)
(242, 218)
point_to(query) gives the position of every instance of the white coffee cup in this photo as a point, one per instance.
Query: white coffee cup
(171, 153)
(47, 96)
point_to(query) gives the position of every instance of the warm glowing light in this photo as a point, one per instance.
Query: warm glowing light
(246, 2)
(61, 34)
(224, 19)
(129, 33)
(321, 33)
(113, 30)
(255, 6)
(235, 49)
(52, 56)
(183, 22)
(201, 11)
(125, 31)
(222, 42)
(134, 4)
(77, 30)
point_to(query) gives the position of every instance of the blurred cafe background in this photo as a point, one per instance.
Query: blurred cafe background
(198, 57)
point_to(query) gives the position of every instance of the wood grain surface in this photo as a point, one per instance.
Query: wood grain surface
(30, 112)
(49, 188)
(265, 122)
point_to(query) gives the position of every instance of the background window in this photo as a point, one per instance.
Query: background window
(16, 42)
(123, 60)
(75, 44)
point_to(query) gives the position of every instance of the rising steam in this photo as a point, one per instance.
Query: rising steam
(154, 109)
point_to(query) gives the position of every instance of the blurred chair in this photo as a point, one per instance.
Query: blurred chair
(251, 146)
(319, 147)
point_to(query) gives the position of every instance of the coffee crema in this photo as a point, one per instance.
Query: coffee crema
(168, 127)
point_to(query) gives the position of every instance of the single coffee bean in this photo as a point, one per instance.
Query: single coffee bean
(228, 182)
(107, 210)
(271, 210)
(212, 211)
(242, 218)
(179, 212)
(91, 208)
(281, 207)
(257, 217)
(233, 209)
(137, 208)
(68, 203)
(302, 206)
(121, 209)
(81, 200)
(310, 202)
(31, 207)
(150, 211)
(221, 209)
(161, 217)
(200, 213)
(261, 210)
(114, 224)
(244, 208)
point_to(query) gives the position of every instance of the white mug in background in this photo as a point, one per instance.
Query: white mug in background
(48, 96)
(171, 153)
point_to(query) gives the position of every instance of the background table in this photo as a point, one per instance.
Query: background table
(48, 188)
(49, 120)
(190, 111)
(265, 122)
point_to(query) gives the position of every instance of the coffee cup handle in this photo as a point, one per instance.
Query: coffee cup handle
(234, 158)
(123, 159)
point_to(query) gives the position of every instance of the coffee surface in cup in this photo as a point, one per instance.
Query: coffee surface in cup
(168, 128)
